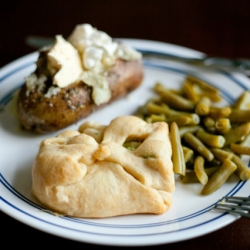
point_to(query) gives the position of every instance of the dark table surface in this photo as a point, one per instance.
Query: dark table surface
(218, 28)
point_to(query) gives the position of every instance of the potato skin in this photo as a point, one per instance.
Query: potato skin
(44, 115)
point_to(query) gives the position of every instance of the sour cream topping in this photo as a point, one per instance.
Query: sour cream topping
(65, 57)
(85, 56)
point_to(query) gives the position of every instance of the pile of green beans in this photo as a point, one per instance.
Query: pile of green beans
(208, 140)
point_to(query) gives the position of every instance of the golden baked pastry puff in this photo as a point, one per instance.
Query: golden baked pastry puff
(89, 173)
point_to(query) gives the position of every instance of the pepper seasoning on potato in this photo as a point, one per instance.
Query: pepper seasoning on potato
(75, 77)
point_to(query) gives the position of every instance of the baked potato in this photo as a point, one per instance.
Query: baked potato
(43, 113)
(74, 102)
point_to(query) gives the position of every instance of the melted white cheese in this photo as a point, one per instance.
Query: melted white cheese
(64, 58)
(32, 81)
(101, 92)
(85, 56)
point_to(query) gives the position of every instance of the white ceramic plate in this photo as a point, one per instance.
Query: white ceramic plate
(190, 214)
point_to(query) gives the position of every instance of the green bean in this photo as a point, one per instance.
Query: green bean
(211, 96)
(142, 110)
(222, 125)
(243, 102)
(174, 100)
(188, 153)
(208, 122)
(203, 106)
(246, 141)
(189, 91)
(131, 145)
(201, 88)
(179, 164)
(221, 154)
(194, 119)
(153, 108)
(191, 176)
(236, 134)
(177, 91)
(203, 85)
(199, 170)
(219, 177)
(171, 112)
(179, 120)
(216, 112)
(211, 130)
(212, 163)
(182, 118)
(188, 129)
(240, 149)
(156, 118)
(211, 140)
(209, 145)
(242, 171)
(198, 145)
(239, 115)
(148, 119)
(190, 163)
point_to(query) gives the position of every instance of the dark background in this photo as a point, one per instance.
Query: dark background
(218, 28)
(214, 27)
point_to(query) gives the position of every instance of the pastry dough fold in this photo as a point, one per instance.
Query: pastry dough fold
(77, 175)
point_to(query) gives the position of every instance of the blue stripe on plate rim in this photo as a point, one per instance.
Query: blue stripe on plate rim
(7, 185)
(15, 70)
(109, 234)
(150, 64)
(226, 73)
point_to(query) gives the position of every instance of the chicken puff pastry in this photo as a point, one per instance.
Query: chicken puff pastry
(89, 173)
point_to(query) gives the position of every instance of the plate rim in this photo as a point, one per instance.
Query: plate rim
(28, 57)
